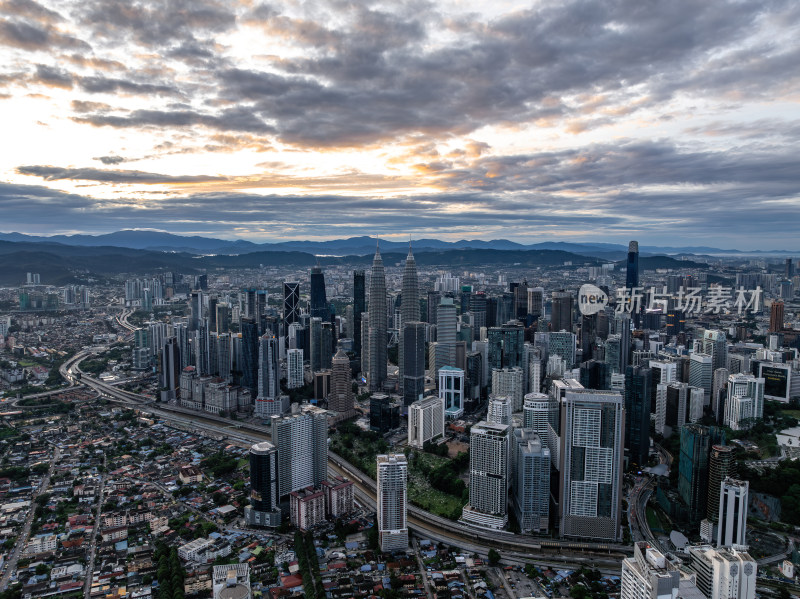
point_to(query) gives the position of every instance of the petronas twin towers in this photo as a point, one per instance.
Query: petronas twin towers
(378, 317)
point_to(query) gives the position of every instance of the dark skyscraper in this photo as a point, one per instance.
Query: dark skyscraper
(359, 307)
(632, 274)
(170, 367)
(413, 373)
(319, 299)
(263, 509)
(693, 467)
(250, 356)
(637, 413)
(377, 324)
(776, 317)
(561, 311)
(291, 303)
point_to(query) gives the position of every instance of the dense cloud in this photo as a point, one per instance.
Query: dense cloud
(452, 98)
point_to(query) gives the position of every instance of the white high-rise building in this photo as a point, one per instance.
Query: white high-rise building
(425, 421)
(591, 453)
(696, 401)
(648, 575)
(499, 410)
(392, 502)
(451, 390)
(294, 368)
(745, 403)
(732, 521)
(539, 411)
(488, 476)
(507, 382)
(302, 442)
(724, 573)
(534, 374)
(701, 372)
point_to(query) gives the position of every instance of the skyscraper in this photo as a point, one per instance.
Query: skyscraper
(377, 324)
(170, 369)
(263, 509)
(721, 465)
(302, 441)
(506, 343)
(507, 382)
(637, 413)
(536, 302)
(561, 313)
(291, 303)
(488, 476)
(451, 390)
(701, 372)
(315, 338)
(409, 308)
(392, 502)
(776, 317)
(359, 307)
(732, 517)
(499, 410)
(425, 421)
(294, 368)
(319, 300)
(413, 360)
(269, 400)
(715, 345)
(250, 351)
(590, 464)
(632, 272)
(530, 480)
(693, 466)
(340, 398)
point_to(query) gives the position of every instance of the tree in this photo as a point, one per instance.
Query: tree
(494, 557)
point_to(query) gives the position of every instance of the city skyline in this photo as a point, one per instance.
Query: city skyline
(556, 121)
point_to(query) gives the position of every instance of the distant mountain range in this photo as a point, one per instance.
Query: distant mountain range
(353, 246)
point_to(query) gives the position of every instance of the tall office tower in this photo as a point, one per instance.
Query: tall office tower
(507, 382)
(425, 421)
(250, 308)
(434, 299)
(294, 369)
(506, 343)
(319, 300)
(716, 345)
(413, 373)
(377, 325)
(359, 307)
(488, 476)
(477, 305)
(788, 271)
(721, 465)
(539, 412)
(250, 350)
(622, 327)
(263, 509)
(302, 441)
(745, 402)
(534, 373)
(315, 339)
(170, 375)
(327, 345)
(269, 400)
(613, 350)
(222, 354)
(530, 480)
(392, 502)
(196, 309)
(697, 400)
(594, 374)
(521, 301)
(201, 348)
(499, 410)
(723, 573)
(701, 372)
(561, 312)
(409, 308)
(732, 514)
(637, 413)
(157, 335)
(590, 463)
(364, 343)
(536, 302)
(223, 319)
(562, 344)
(443, 351)
(663, 373)
(291, 303)
(181, 330)
(632, 272)
(340, 397)
(693, 466)
(719, 391)
(776, 317)
(451, 390)
(675, 322)
(212, 313)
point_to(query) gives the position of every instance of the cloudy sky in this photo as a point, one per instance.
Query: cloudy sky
(669, 122)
